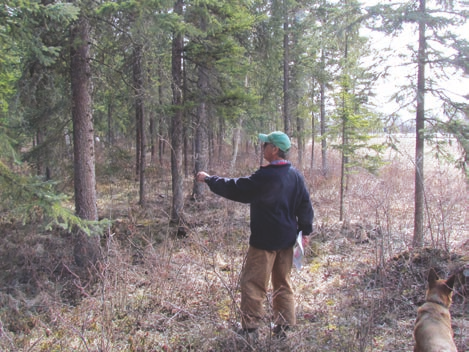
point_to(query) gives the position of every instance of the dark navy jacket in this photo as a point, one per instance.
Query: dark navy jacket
(280, 204)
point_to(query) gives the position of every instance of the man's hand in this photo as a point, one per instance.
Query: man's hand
(201, 176)
(305, 241)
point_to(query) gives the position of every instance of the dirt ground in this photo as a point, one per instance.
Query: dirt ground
(156, 291)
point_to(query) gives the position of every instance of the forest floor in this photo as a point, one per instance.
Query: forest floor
(166, 288)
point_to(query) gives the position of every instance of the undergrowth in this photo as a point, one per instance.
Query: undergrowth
(157, 288)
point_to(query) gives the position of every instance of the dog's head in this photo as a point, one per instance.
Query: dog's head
(440, 290)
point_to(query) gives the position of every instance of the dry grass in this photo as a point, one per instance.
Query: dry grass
(155, 291)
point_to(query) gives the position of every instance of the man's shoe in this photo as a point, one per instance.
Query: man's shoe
(280, 332)
(250, 335)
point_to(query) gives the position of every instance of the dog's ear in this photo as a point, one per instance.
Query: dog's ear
(450, 281)
(432, 277)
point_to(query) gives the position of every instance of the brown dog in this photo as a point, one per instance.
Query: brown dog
(432, 332)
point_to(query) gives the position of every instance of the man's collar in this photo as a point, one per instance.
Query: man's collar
(279, 162)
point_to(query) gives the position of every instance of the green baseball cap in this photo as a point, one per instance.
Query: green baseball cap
(277, 138)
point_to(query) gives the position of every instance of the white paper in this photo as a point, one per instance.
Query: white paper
(298, 251)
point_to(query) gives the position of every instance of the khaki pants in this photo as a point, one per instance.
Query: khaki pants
(261, 266)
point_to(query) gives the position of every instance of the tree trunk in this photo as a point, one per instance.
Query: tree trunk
(201, 134)
(176, 122)
(201, 147)
(322, 92)
(40, 164)
(152, 137)
(187, 147)
(420, 125)
(300, 141)
(161, 119)
(110, 138)
(342, 167)
(219, 140)
(236, 141)
(185, 132)
(201, 138)
(286, 72)
(140, 120)
(86, 249)
(313, 131)
(345, 138)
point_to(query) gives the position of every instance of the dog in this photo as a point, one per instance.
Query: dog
(432, 331)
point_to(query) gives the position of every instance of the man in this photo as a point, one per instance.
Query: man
(280, 208)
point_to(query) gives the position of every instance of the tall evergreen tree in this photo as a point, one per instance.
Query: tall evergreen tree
(329, 22)
(86, 248)
(216, 56)
(286, 69)
(43, 53)
(201, 152)
(177, 119)
(419, 128)
(138, 78)
(266, 74)
(434, 21)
